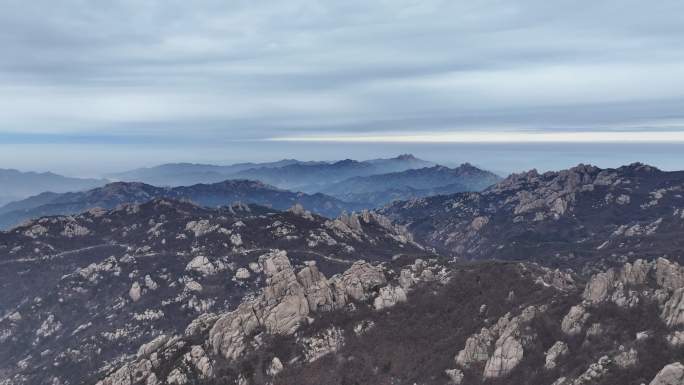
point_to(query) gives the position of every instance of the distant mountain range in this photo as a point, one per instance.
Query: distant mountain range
(16, 184)
(315, 177)
(185, 174)
(378, 190)
(289, 173)
(329, 188)
(209, 195)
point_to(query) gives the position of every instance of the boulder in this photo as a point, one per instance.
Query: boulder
(242, 273)
(135, 292)
(455, 376)
(202, 265)
(556, 351)
(323, 343)
(361, 279)
(672, 374)
(275, 367)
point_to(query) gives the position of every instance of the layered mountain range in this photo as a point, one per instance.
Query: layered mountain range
(561, 278)
(289, 173)
(379, 190)
(19, 185)
(329, 191)
(209, 195)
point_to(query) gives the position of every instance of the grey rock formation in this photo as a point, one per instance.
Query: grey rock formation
(316, 288)
(574, 321)
(673, 311)
(389, 296)
(327, 341)
(508, 354)
(672, 374)
(202, 265)
(455, 376)
(626, 358)
(669, 275)
(275, 367)
(135, 292)
(476, 348)
(360, 280)
(594, 372)
(509, 347)
(597, 289)
(558, 350)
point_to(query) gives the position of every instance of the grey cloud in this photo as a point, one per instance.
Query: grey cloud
(245, 69)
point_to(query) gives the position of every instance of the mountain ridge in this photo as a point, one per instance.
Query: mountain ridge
(19, 185)
(216, 194)
(582, 211)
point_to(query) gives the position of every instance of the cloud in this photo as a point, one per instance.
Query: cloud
(501, 137)
(222, 70)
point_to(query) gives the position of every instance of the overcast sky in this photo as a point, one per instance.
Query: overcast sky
(108, 84)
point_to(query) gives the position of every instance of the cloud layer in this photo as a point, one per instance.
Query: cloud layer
(200, 71)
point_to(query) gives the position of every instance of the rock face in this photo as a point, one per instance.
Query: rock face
(279, 310)
(508, 354)
(316, 288)
(389, 296)
(672, 374)
(476, 349)
(558, 350)
(614, 284)
(573, 322)
(673, 312)
(663, 279)
(501, 346)
(509, 347)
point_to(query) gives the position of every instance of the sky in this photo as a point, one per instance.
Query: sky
(88, 87)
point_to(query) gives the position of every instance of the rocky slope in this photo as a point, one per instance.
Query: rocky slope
(414, 321)
(80, 294)
(566, 217)
(378, 190)
(210, 195)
